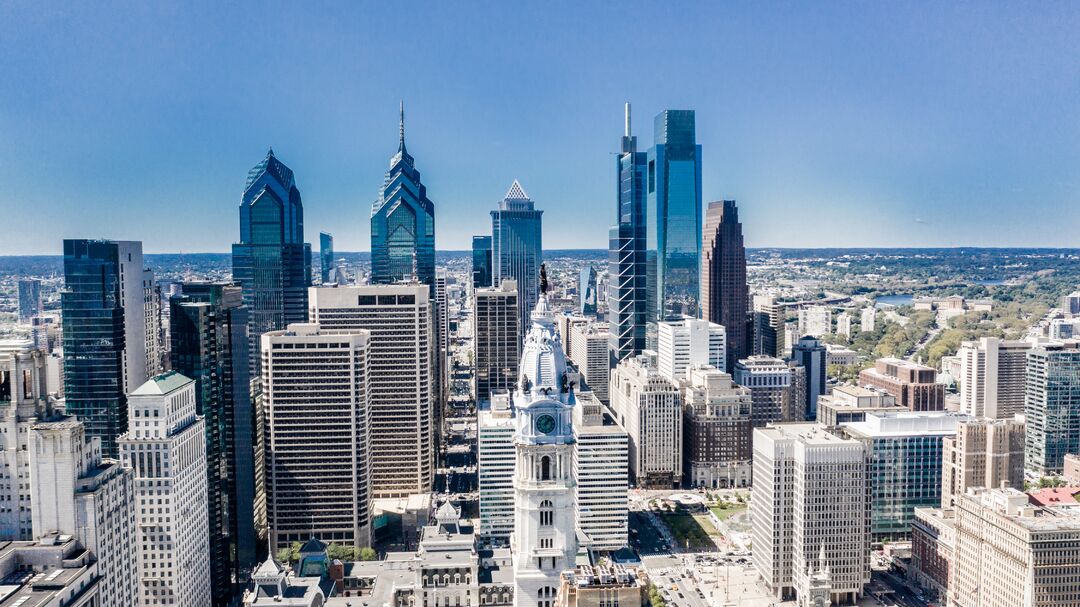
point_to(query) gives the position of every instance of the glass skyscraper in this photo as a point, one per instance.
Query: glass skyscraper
(1051, 406)
(673, 217)
(587, 291)
(29, 299)
(626, 253)
(104, 323)
(725, 294)
(481, 262)
(403, 223)
(326, 256)
(516, 237)
(272, 263)
(208, 325)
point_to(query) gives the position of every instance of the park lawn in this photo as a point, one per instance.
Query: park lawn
(727, 511)
(691, 531)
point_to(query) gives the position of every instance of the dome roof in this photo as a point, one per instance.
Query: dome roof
(543, 363)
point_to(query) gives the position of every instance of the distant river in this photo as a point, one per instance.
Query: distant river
(894, 300)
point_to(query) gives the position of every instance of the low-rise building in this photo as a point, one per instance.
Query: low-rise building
(603, 586)
(933, 535)
(55, 571)
(847, 404)
(915, 386)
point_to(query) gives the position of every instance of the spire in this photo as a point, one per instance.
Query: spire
(401, 127)
(821, 558)
(627, 119)
(270, 152)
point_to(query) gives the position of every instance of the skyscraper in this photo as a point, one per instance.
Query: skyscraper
(811, 354)
(326, 257)
(589, 352)
(587, 291)
(496, 343)
(481, 262)
(688, 342)
(104, 334)
(24, 399)
(716, 416)
(992, 377)
(516, 237)
(649, 407)
(272, 263)
(403, 223)
(163, 449)
(1052, 406)
(768, 332)
(319, 452)
(673, 217)
(626, 253)
(29, 299)
(402, 400)
(725, 297)
(208, 326)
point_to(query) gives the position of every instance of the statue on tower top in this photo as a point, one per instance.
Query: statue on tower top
(543, 279)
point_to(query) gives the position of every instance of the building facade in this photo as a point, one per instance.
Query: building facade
(496, 343)
(587, 297)
(649, 407)
(915, 386)
(627, 275)
(589, 351)
(717, 429)
(984, 453)
(326, 258)
(687, 342)
(812, 356)
(768, 333)
(481, 262)
(1052, 406)
(815, 321)
(992, 377)
(24, 400)
(725, 296)
(769, 381)
(516, 248)
(29, 299)
(601, 472)
(847, 404)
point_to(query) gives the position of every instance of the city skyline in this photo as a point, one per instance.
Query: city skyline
(881, 126)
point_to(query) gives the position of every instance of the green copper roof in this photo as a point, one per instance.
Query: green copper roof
(162, 384)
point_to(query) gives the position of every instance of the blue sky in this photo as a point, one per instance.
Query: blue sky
(831, 123)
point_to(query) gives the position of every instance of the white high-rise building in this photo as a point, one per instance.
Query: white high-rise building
(23, 401)
(74, 491)
(402, 401)
(843, 324)
(815, 321)
(155, 349)
(590, 353)
(687, 342)
(316, 402)
(165, 447)
(544, 543)
(811, 490)
(649, 407)
(601, 459)
(868, 318)
(495, 466)
(992, 375)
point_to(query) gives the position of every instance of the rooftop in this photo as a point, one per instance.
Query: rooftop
(162, 384)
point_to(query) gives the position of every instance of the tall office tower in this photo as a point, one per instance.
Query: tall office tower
(272, 263)
(915, 386)
(815, 321)
(905, 465)
(601, 468)
(326, 257)
(811, 489)
(154, 333)
(589, 351)
(1052, 406)
(769, 380)
(441, 340)
(794, 407)
(791, 336)
(992, 377)
(1008, 552)
(716, 418)
(811, 355)
(544, 543)
(673, 218)
(516, 252)
(104, 334)
(481, 262)
(687, 342)
(868, 318)
(165, 448)
(24, 399)
(318, 442)
(403, 223)
(768, 330)
(724, 292)
(586, 287)
(984, 453)
(495, 466)
(496, 347)
(1070, 304)
(843, 325)
(626, 297)
(209, 326)
(649, 407)
(76, 492)
(568, 324)
(29, 299)
(402, 403)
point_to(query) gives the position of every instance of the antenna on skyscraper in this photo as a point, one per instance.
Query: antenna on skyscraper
(627, 118)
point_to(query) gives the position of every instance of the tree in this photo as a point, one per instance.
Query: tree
(367, 554)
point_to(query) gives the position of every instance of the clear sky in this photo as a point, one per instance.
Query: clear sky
(831, 123)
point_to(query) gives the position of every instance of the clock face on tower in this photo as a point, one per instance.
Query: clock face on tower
(545, 424)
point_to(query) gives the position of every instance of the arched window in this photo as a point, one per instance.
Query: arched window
(545, 468)
(547, 513)
(545, 597)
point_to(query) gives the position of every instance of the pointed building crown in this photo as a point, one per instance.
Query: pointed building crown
(516, 192)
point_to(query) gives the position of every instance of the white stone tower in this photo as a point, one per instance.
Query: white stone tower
(545, 539)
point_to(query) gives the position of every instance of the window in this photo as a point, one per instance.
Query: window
(545, 468)
(547, 513)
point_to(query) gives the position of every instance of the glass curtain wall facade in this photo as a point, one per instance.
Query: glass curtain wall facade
(210, 345)
(725, 295)
(516, 254)
(272, 263)
(1052, 407)
(626, 253)
(403, 224)
(326, 256)
(673, 218)
(481, 262)
(587, 291)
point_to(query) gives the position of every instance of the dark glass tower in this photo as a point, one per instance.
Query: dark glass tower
(272, 263)
(725, 298)
(326, 256)
(481, 262)
(587, 291)
(403, 223)
(626, 253)
(673, 217)
(208, 323)
(104, 334)
(516, 249)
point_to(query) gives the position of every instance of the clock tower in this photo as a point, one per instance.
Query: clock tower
(544, 543)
